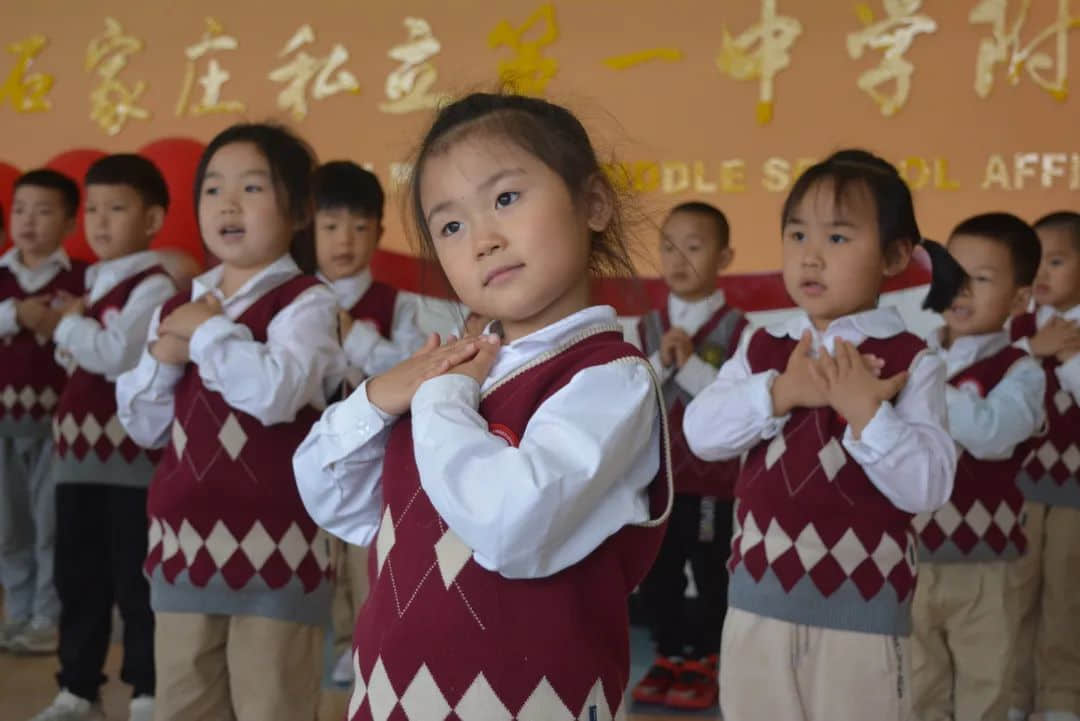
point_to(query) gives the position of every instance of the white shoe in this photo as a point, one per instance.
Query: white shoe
(69, 707)
(343, 674)
(1016, 714)
(9, 631)
(38, 637)
(142, 709)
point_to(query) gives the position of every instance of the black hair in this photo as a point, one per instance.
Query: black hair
(697, 207)
(545, 130)
(134, 171)
(344, 184)
(854, 169)
(1012, 232)
(1066, 220)
(53, 180)
(292, 162)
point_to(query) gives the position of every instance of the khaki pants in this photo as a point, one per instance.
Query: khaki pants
(773, 670)
(966, 619)
(353, 586)
(236, 668)
(1048, 579)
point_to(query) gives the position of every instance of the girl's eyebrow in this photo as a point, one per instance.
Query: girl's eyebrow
(492, 180)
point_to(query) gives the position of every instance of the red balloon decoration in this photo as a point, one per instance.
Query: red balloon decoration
(8, 175)
(178, 159)
(74, 164)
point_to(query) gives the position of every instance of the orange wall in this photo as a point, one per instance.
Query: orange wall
(654, 116)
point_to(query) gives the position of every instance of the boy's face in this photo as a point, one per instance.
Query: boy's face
(991, 295)
(690, 254)
(1057, 283)
(345, 241)
(39, 221)
(118, 222)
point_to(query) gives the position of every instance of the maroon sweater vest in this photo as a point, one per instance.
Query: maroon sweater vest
(981, 520)
(32, 380)
(228, 531)
(1050, 470)
(91, 444)
(487, 646)
(816, 543)
(714, 342)
(376, 306)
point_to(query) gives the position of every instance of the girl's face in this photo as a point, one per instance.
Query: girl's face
(241, 217)
(833, 262)
(510, 238)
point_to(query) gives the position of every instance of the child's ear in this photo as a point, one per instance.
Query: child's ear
(898, 257)
(379, 232)
(599, 203)
(1021, 300)
(727, 256)
(155, 219)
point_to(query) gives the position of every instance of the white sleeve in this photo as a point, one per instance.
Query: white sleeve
(146, 395)
(905, 449)
(735, 412)
(1068, 375)
(111, 349)
(9, 322)
(338, 468)
(990, 428)
(579, 474)
(299, 364)
(367, 350)
(695, 375)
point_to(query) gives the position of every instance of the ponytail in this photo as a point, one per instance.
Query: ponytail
(946, 279)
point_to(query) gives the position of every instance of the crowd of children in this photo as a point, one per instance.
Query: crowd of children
(876, 525)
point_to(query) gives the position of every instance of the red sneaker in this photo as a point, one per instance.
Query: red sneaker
(695, 688)
(653, 689)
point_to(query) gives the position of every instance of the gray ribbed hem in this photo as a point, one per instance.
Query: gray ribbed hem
(26, 427)
(981, 553)
(113, 472)
(1046, 490)
(288, 603)
(844, 610)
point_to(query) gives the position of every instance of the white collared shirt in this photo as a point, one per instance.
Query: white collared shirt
(579, 474)
(905, 449)
(111, 348)
(367, 351)
(991, 427)
(1068, 374)
(690, 316)
(31, 280)
(300, 363)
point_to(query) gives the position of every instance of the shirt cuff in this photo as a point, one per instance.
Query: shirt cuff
(695, 375)
(9, 323)
(451, 387)
(358, 416)
(65, 328)
(759, 395)
(878, 437)
(212, 331)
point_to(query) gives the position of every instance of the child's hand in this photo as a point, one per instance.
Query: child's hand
(1053, 337)
(487, 350)
(676, 347)
(31, 313)
(1069, 351)
(851, 386)
(345, 324)
(171, 350)
(392, 391)
(72, 305)
(794, 388)
(187, 318)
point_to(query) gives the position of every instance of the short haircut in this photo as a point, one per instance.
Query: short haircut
(344, 184)
(132, 170)
(1065, 220)
(53, 180)
(1012, 232)
(723, 228)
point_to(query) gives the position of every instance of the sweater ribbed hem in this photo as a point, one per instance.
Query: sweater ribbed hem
(1047, 490)
(288, 603)
(948, 552)
(844, 610)
(114, 472)
(25, 427)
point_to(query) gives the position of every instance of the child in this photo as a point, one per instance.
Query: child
(34, 275)
(512, 512)
(965, 613)
(1050, 629)
(378, 325)
(838, 459)
(234, 374)
(687, 341)
(101, 474)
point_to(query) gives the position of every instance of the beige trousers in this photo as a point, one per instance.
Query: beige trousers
(350, 592)
(773, 670)
(966, 619)
(236, 668)
(1048, 580)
